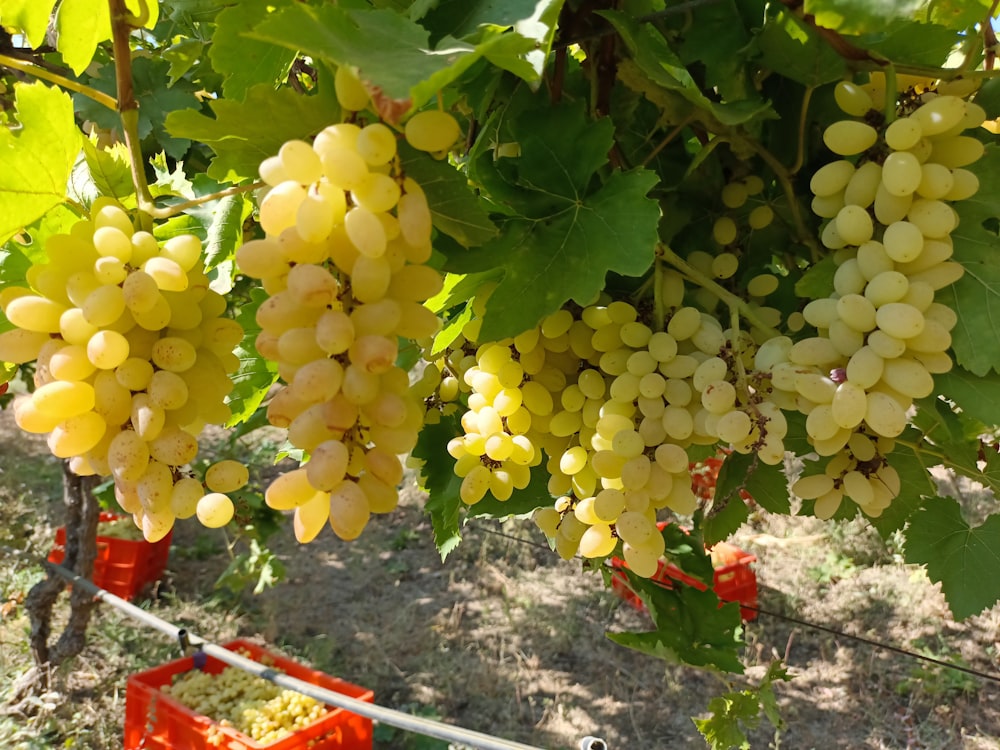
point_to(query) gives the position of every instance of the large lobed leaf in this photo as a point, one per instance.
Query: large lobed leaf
(256, 374)
(36, 159)
(564, 232)
(242, 137)
(964, 559)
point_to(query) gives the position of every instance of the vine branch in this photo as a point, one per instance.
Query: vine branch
(724, 295)
(37, 71)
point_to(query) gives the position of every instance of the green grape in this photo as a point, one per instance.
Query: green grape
(215, 510)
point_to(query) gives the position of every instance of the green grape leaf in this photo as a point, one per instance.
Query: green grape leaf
(243, 61)
(975, 394)
(964, 559)
(242, 139)
(155, 99)
(724, 518)
(443, 504)
(182, 57)
(14, 265)
(455, 209)
(716, 37)
(817, 282)
(691, 627)
(976, 296)
(860, 16)
(37, 158)
(687, 552)
(766, 484)
(390, 51)
(109, 169)
(527, 26)
(656, 60)
(565, 235)
(256, 374)
(30, 16)
(735, 711)
(723, 729)
(915, 483)
(80, 26)
(795, 50)
(903, 41)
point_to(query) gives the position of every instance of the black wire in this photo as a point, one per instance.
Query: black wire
(804, 623)
(873, 643)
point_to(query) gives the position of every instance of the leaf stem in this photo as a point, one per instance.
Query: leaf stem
(662, 144)
(891, 93)
(67, 83)
(727, 297)
(800, 153)
(167, 211)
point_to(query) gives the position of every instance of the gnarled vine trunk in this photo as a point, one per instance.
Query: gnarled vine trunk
(82, 513)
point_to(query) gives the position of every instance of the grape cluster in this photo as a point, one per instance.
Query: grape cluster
(880, 335)
(347, 236)
(132, 357)
(249, 704)
(609, 406)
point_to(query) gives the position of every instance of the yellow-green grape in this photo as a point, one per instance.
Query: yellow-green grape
(215, 510)
(854, 225)
(226, 476)
(64, 399)
(852, 99)
(432, 130)
(901, 173)
(724, 230)
(351, 93)
(76, 435)
(848, 137)
(760, 217)
(376, 144)
(734, 195)
(349, 511)
(903, 134)
(185, 496)
(725, 265)
(832, 179)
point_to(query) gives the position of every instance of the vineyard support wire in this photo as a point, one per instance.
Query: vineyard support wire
(388, 716)
(804, 623)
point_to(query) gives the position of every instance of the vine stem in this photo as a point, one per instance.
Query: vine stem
(38, 71)
(741, 371)
(800, 153)
(740, 305)
(122, 22)
(128, 107)
(891, 93)
(662, 144)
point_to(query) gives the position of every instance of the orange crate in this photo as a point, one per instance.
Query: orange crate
(155, 721)
(734, 580)
(122, 566)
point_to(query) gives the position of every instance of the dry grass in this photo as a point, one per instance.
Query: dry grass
(506, 639)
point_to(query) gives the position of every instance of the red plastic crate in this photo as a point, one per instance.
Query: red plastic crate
(734, 580)
(155, 721)
(122, 566)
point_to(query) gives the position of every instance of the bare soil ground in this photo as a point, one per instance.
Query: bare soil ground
(506, 639)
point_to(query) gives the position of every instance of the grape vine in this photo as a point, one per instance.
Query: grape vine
(548, 262)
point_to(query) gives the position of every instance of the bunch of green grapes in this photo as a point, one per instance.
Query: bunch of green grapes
(249, 704)
(132, 360)
(881, 336)
(343, 259)
(613, 405)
